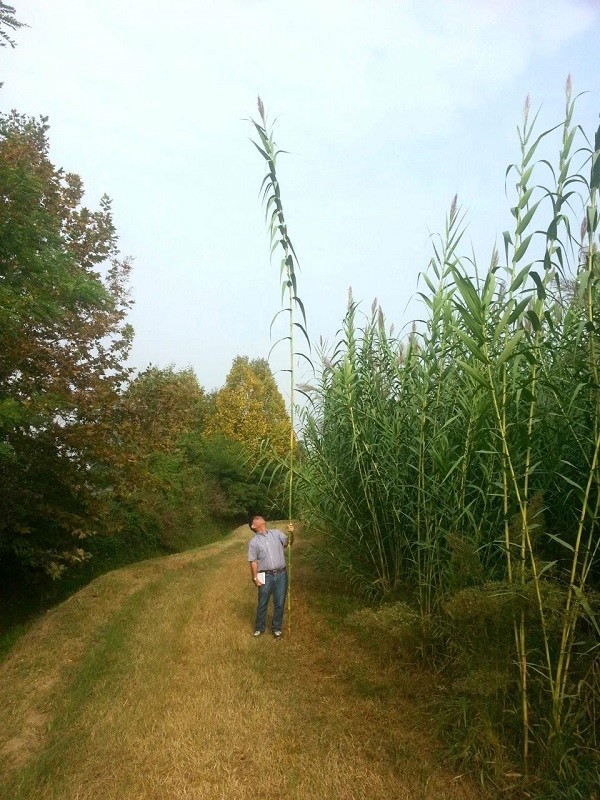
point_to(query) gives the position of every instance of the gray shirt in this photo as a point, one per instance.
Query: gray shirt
(267, 549)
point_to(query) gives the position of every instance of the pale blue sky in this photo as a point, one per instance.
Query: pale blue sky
(389, 109)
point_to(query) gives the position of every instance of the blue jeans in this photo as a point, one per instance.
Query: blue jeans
(275, 585)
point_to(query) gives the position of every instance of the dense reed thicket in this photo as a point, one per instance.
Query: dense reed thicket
(458, 471)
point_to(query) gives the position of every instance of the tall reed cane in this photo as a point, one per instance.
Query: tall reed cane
(271, 197)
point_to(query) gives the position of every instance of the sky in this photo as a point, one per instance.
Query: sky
(387, 108)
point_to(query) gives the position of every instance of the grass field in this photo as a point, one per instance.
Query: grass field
(148, 685)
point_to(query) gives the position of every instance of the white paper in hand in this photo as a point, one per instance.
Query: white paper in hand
(261, 578)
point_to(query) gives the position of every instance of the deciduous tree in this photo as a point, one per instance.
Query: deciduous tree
(63, 303)
(250, 409)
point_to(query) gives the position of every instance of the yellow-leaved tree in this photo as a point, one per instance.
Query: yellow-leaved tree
(250, 409)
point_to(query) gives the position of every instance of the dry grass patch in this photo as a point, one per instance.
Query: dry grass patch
(44, 662)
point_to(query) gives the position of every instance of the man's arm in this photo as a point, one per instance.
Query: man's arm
(253, 561)
(254, 570)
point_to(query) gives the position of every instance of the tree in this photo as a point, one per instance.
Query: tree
(63, 303)
(158, 407)
(249, 409)
(160, 490)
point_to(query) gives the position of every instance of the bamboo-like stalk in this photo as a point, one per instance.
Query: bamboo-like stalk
(280, 239)
(568, 630)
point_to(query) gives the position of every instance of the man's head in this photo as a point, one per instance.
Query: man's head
(258, 524)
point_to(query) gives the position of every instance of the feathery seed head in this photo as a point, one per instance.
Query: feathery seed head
(453, 207)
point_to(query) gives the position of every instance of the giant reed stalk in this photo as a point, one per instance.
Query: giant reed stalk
(280, 240)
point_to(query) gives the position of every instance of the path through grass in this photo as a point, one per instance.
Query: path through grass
(147, 685)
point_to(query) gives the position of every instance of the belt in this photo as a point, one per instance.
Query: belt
(273, 571)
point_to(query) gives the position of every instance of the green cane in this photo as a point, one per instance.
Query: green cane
(280, 240)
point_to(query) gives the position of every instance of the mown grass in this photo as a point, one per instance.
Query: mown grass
(24, 597)
(147, 683)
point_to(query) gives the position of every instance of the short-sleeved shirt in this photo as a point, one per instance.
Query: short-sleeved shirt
(267, 549)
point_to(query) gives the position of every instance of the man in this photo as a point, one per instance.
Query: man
(267, 562)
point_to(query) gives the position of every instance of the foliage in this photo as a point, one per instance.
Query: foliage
(8, 20)
(246, 436)
(186, 455)
(157, 408)
(249, 409)
(157, 489)
(236, 490)
(62, 323)
(460, 470)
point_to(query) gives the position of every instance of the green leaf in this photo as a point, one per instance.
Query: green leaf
(569, 142)
(469, 295)
(507, 242)
(534, 146)
(526, 197)
(475, 374)
(301, 305)
(510, 347)
(527, 218)
(541, 291)
(572, 483)
(281, 311)
(595, 177)
(518, 310)
(303, 329)
(522, 249)
(300, 354)
(535, 320)
(501, 325)
(525, 176)
(471, 323)
(279, 341)
(260, 150)
(549, 321)
(471, 345)
(587, 608)
(526, 395)
(519, 278)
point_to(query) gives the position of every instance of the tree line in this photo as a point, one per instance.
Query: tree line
(98, 461)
